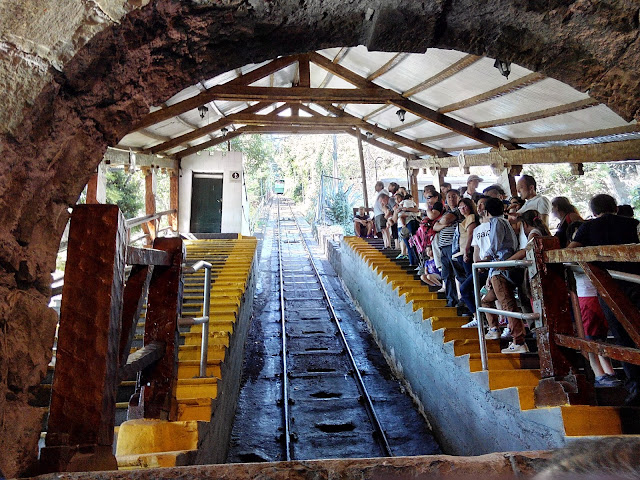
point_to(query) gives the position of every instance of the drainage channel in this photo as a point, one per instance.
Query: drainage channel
(339, 404)
(317, 357)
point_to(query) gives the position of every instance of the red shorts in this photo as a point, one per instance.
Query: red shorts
(595, 324)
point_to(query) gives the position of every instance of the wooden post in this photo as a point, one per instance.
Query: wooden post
(135, 294)
(413, 187)
(150, 200)
(174, 190)
(97, 187)
(163, 306)
(560, 382)
(363, 171)
(83, 398)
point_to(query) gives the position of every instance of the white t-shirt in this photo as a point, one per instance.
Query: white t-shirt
(408, 216)
(377, 206)
(524, 239)
(540, 203)
(584, 287)
(481, 238)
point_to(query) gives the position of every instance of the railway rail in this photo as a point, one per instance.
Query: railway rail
(326, 406)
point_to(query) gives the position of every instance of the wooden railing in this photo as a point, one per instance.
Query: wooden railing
(559, 348)
(98, 319)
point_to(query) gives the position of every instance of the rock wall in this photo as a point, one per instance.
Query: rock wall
(78, 76)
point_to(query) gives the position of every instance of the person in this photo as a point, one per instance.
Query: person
(503, 243)
(382, 200)
(446, 227)
(467, 208)
(625, 210)
(407, 221)
(472, 188)
(515, 204)
(533, 226)
(594, 322)
(392, 227)
(607, 228)
(432, 275)
(563, 210)
(480, 244)
(495, 191)
(444, 189)
(362, 224)
(526, 187)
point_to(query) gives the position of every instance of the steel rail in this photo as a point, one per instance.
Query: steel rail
(382, 437)
(285, 378)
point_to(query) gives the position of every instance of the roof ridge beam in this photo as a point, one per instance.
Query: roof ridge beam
(209, 95)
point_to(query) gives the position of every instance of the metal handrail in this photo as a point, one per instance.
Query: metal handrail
(204, 320)
(134, 222)
(616, 275)
(476, 290)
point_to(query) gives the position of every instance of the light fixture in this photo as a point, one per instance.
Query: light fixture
(369, 135)
(503, 67)
(203, 110)
(224, 131)
(401, 113)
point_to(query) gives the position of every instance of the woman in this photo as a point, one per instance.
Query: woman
(533, 227)
(563, 210)
(467, 208)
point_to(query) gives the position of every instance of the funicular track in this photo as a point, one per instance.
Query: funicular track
(326, 406)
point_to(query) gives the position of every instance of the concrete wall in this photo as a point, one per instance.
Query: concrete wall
(467, 418)
(225, 163)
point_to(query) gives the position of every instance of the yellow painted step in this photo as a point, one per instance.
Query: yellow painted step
(219, 324)
(428, 311)
(497, 361)
(462, 347)
(526, 396)
(426, 295)
(192, 352)
(460, 334)
(215, 338)
(447, 322)
(191, 368)
(143, 436)
(197, 388)
(584, 420)
(178, 458)
(195, 409)
(513, 378)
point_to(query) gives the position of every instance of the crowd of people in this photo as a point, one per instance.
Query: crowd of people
(459, 227)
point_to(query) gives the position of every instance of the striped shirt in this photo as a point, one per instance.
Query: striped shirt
(445, 238)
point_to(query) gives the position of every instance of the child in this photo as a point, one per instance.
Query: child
(432, 275)
(362, 224)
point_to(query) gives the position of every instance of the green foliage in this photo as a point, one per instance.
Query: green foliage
(126, 191)
(339, 207)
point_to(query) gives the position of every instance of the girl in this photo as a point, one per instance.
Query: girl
(432, 275)
(563, 210)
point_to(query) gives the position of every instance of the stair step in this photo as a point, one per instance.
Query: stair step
(192, 352)
(505, 361)
(195, 409)
(462, 347)
(499, 379)
(460, 334)
(448, 322)
(585, 420)
(215, 338)
(191, 368)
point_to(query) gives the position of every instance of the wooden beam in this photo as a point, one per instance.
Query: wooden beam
(413, 107)
(294, 130)
(339, 56)
(141, 359)
(406, 126)
(363, 171)
(296, 120)
(539, 114)
(201, 132)
(147, 256)
(174, 189)
(436, 138)
(304, 74)
(623, 354)
(384, 146)
(300, 94)
(134, 299)
(376, 112)
(632, 128)
(506, 89)
(601, 253)
(387, 67)
(597, 152)
(209, 95)
(381, 132)
(211, 143)
(451, 70)
(117, 156)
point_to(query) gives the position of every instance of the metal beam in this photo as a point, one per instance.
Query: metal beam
(598, 152)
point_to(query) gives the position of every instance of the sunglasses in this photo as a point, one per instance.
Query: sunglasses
(429, 198)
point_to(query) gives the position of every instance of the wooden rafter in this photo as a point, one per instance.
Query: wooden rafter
(443, 75)
(211, 143)
(383, 146)
(304, 74)
(339, 56)
(635, 128)
(209, 95)
(539, 114)
(376, 112)
(411, 106)
(292, 129)
(300, 94)
(295, 120)
(437, 138)
(381, 132)
(494, 93)
(406, 126)
(387, 67)
(201, 132)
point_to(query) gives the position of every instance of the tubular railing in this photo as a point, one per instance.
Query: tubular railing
(204, 319)
(479, 309)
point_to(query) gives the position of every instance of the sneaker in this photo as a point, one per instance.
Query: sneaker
(442, 290)
(607, 381)
(506, 333)
(400, 256)
(514, 348)
(492, 334)
(472, 324)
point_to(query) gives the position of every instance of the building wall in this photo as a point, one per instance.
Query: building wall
(226, 163)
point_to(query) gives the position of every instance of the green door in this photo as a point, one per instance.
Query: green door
(206, 203)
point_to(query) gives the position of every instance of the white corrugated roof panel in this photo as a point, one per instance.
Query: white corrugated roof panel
(359, 60)
(189, 92)
(585, 120)
(547, 93)
(477, 78)
(417, 68)
(426, 129)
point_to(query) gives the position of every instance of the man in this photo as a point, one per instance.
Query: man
(393, 230)
(611, 229)
(494, 191)
(378, 211)
(447, 227)
(526, 187)
(472, 186)
(362, 224)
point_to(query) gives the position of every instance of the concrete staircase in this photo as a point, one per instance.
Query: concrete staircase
(154, 443)
(508, 373)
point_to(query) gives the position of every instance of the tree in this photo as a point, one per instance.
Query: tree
(125, 191)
